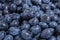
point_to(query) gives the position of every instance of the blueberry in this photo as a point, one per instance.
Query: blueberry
(52, 5)
(25, 26)
(3, 25)
(53, 24)
(27, 35)
(57, 11)
(58, 37)
(7, 18)
(14, 31)
(19, 9)
(34, 21)
(34, 39)
(3, 1)
(49, 12)
(2, 34)
(13, 7)
(14, 23)
(35, 8)
(37, 2)
(38, 13)
(35, 29)
(1, 8)
(58, 28)
(57, 5)
(27, 2)
(47, 33)
(25, 22)
(0, 13)
(54, 17)
(45, 7)
(27, 13)
(59, 20)
(8, 37)
(45, 18)
(1, 18)
(46, 1)
(17, 38)
(52, 38)
(25, 6)
(43, 25)
(18, 2)
(16, 16)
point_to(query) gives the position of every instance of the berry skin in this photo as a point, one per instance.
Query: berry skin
(27, 2)
(35, 29)
(27, 35)
(13, 7)
(46, 1)
(52, 38)
(50, 12)
(16, 16)
(34, 21)
(35, 8)
(0, 13)
(54, 17)
(25, 6)
(58, 37)
(8, 37)
(18, 2)
(53, 24)
(8, 18)
(14, 31)
(38, 13)
(57, 11)
(34, 39)
(3, 25)
(18, 38)
(2, 34)
(45, 18)
(14, 23)
(25, 26)
(43, 25)
(47, 33)
(37, 2)
(58, 29)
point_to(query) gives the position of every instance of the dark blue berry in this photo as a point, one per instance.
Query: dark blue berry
(25, 26)
(27, 35)
(46, 1)
(34, 21)
(17, 38)
(13, 7)
(16, 16)
(18, 2)
(43, 24)
(58, 37)
(53, 24)
(7, 18)
(47, 33)
(2, 34)
(52, 38)
(8, 37)
(37, 2)
(35, 29)
(3, 25)
(14, 31)
(58, 28)
(45, 18)
(14, 23)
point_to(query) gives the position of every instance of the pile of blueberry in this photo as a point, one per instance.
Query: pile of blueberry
(29, 19)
